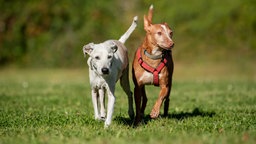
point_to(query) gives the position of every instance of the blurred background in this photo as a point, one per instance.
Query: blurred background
(51, 33)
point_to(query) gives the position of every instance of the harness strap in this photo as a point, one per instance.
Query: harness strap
(154, 71)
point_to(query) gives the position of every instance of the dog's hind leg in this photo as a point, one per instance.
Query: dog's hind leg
(124, 81)
(144, 101)
(166, 102)
(137, 98)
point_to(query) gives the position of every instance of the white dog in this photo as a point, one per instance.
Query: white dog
(109, 62)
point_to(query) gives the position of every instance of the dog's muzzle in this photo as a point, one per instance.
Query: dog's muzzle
(105, 70)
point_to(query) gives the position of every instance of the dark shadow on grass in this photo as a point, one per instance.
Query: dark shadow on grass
(179, 116)
(123, 120)
(196, 112)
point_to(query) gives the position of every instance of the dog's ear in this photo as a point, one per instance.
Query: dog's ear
(150, 14)
(87, 49)
(148, 19)
(147, 23)
(113, 47)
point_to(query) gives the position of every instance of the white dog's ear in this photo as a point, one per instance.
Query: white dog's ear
(87, 49)
(114, 47)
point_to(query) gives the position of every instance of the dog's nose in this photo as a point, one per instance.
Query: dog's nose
(105, 70)
(172, 45)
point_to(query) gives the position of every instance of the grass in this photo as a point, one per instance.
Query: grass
(54, 106)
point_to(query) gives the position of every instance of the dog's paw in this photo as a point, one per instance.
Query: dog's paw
(100, 118)
(131, 114)
(154, 114)
(138, 122)
(106, 126)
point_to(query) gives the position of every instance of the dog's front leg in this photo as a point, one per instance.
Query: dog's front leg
(102, 103)
(165, 90)
(111, 101)
(95, 103)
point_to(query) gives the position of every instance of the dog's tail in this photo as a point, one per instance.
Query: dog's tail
(127, 34)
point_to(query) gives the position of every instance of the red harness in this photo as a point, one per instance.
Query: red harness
(154, 71)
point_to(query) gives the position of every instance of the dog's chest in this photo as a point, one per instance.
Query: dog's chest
(96, 81)
(147, 77)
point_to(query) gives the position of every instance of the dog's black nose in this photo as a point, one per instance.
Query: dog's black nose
(105, 70)
(172, 45)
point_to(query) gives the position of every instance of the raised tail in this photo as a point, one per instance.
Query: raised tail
(127, 34)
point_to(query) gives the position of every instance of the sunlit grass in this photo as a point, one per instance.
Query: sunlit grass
(54, 106)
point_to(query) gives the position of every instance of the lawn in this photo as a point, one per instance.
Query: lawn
(208, 105)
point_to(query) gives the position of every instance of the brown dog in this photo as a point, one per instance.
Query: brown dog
(153, 64)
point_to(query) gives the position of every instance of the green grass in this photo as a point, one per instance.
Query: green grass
(54, 106)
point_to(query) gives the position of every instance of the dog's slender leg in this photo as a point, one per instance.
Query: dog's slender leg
(102, 103)
(111, 101)
(137, 97)
(166, 102)
(162, 95)
(95, 103)
(167, 99)
(144, 101)
(124, 81)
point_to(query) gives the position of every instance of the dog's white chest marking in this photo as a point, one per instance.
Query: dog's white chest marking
(98, 82)
(146, 78)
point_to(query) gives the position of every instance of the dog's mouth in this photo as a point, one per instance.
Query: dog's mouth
(167, 47)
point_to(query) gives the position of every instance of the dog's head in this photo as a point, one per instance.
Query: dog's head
(159, 34)
(101, 56)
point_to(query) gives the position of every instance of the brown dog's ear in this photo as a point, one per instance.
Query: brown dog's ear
(148, 19)
(150, 14)
(147, 24)
(87, 49)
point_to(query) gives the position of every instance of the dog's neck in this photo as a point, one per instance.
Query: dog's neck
(151, 47)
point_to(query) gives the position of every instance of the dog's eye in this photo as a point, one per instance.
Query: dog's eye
(97, 57)
(110, 56)
(171, 34)
(159, 33)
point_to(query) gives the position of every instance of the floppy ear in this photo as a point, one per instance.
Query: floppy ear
(113, 47)
(87, 49)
